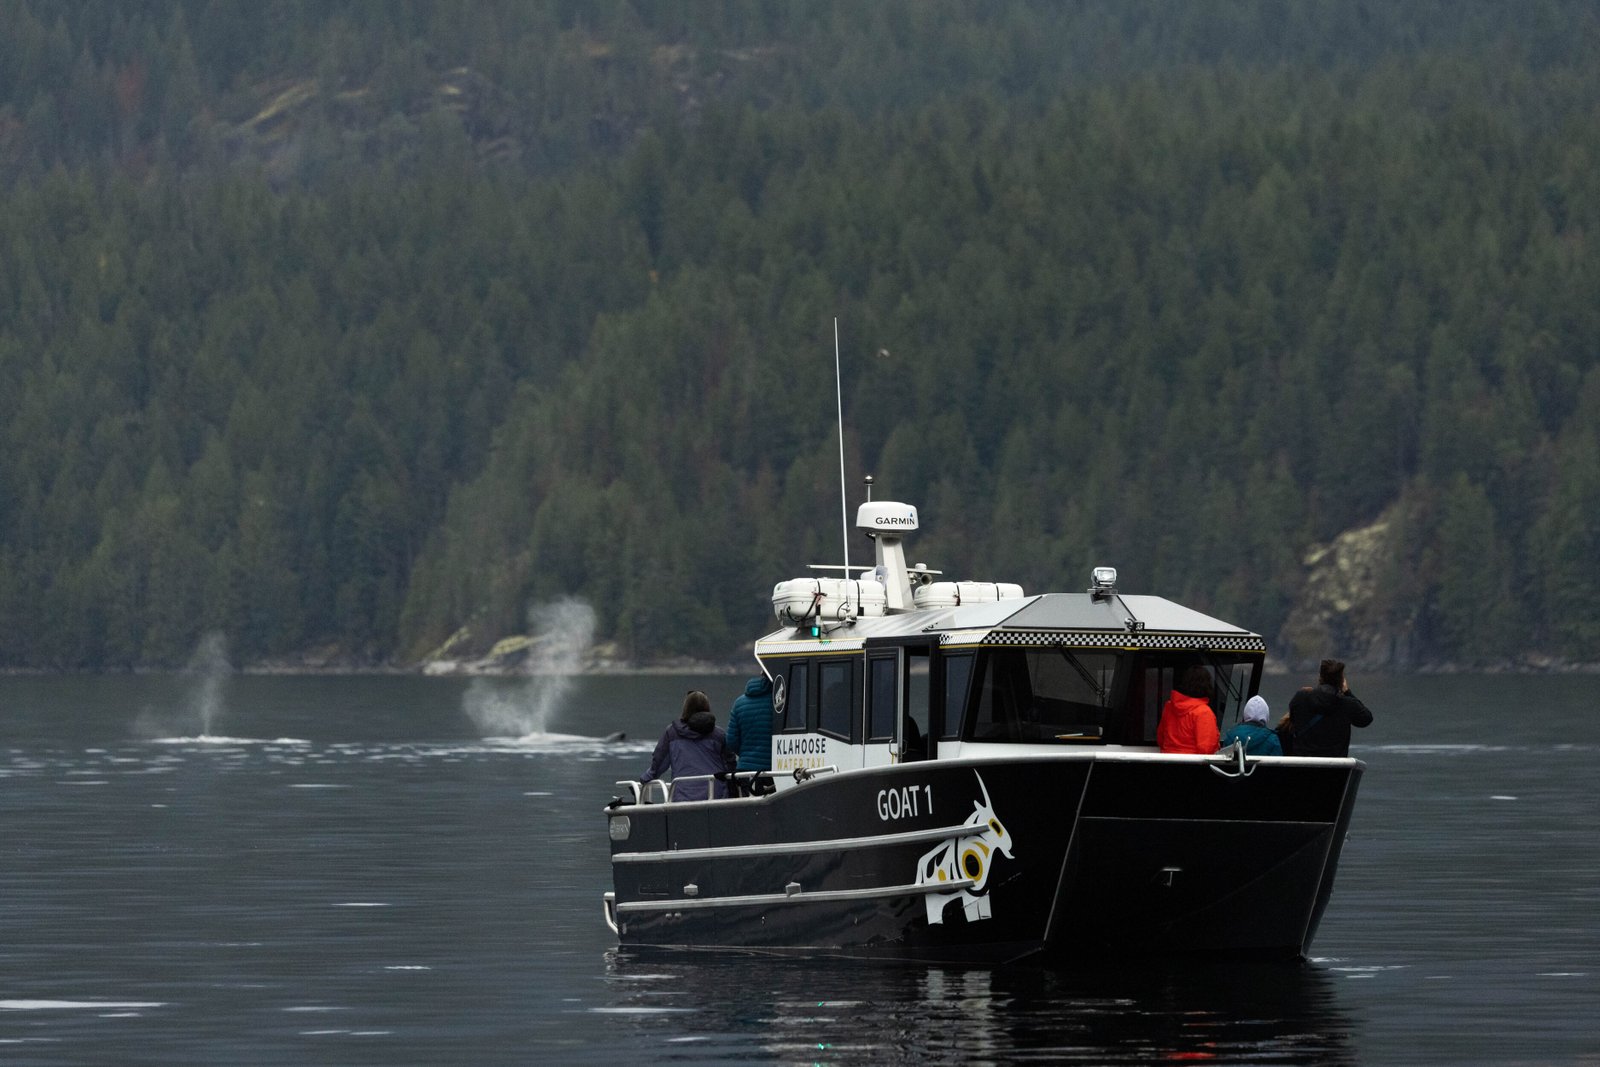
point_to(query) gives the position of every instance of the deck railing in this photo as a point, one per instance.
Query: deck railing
(741, 785)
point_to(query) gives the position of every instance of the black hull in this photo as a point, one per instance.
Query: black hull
(994, 860)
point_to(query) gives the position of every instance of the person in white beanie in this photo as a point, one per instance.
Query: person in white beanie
(1255, 730)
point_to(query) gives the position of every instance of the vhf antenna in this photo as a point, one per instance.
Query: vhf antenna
(838, 393)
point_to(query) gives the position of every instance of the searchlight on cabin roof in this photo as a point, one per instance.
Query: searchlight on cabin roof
(1105, 582)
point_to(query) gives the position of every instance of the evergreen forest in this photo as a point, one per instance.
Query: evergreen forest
(353, 330)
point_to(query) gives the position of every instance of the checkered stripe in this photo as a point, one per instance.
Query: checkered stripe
(1128, 639)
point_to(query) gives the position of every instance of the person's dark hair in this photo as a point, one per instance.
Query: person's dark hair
(1196, 683)
(694, 702)
(1332, 673)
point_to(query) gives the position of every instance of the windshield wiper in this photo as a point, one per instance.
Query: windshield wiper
(1226, 671)
(1083, 672)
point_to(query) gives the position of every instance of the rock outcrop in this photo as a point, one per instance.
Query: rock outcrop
(1347, 606)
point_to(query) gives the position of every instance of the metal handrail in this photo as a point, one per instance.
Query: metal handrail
(662, 791)
(792, 894)
(709, 779)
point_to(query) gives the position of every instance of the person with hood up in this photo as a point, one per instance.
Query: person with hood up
(750, 725)
(1322, 715)
(1187, 722)
(1255, 730)
(692, 745)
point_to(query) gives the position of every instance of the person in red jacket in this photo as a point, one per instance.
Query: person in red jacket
(1187, 722)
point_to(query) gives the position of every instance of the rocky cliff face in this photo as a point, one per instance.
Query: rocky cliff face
(1348, 607)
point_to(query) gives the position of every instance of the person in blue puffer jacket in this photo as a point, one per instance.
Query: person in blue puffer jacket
(750, 726)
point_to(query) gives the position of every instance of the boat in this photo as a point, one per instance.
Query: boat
(962, 772)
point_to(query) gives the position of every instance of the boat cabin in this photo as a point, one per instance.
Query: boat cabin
(891, 666)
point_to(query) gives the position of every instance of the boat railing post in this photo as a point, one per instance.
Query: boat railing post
(1233, 757)
(708, 779)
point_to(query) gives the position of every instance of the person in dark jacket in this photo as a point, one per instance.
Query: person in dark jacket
(1255, 730)
(750, 725)
(1322, 715)
(692, 745)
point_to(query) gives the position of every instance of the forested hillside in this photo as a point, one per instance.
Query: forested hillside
(346, 329)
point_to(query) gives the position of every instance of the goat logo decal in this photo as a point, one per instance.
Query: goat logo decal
(968, 856)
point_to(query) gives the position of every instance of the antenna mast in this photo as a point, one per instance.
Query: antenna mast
(838, 394)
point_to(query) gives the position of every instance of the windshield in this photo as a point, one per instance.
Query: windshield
(1092, 696)
(1043, 694)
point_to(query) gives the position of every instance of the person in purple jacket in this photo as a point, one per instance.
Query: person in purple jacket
(692, 745)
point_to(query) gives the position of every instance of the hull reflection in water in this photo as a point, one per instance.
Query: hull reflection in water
(721, 1007)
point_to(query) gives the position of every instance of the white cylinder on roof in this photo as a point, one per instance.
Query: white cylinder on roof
(800, 600)
(955, 594)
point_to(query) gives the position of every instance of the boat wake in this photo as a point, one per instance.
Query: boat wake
(78, 1005)
(217, 739)
(543, 741)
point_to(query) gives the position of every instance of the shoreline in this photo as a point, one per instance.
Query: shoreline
(289, 670)
(468, 669)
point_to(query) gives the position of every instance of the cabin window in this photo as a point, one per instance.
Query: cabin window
(957, 674)
(836, 693)
(1043, 694)
(884, 697)
(1087, 696)
(915, 727)
(1234, 678)
(795, 700)
(1231, 683)
(1157, 687)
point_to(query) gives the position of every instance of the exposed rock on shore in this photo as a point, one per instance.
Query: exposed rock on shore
(1346, 606)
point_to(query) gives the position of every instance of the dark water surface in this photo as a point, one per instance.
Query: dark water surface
(345, 870)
